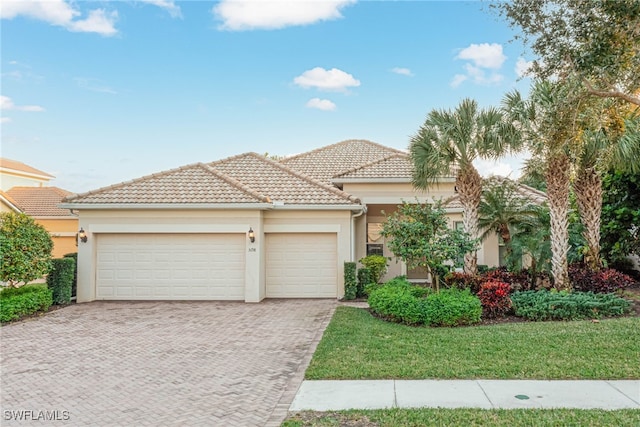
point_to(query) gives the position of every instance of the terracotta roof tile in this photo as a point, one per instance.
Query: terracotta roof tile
(192, 184)
(15, 165)
(391, 166)
(528, 193)
(40, 201)
(328, 162)
(9, 199)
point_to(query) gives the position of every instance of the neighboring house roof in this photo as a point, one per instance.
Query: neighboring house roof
(8, 200)
(14, 166)
(247, 179)
(333, 160)
(40, 201)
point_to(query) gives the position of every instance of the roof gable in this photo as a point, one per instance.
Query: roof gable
(40, 201)
(393, 166)
(19, 168)
(330, 161)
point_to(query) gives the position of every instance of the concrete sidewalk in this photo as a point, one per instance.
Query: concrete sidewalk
(488, 394)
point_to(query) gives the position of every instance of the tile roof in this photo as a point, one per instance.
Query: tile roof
(40, 201)
(7, 198)
(191, 184)
(243, 179)
(392, 166)
(279, 182)
(529, 193)
(15, 165)
(328, 162)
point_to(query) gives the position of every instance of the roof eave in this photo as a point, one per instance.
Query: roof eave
(157, 206)
(379, 180)
(318, 207)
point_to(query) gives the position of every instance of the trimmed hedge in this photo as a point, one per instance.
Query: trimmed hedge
(23, 301)
(400, 301)
(60, 279)
(350, 281)
(364, 278)
(74, 286)
(551, 305)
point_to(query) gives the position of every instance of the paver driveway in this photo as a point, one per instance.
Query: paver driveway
(160, 363)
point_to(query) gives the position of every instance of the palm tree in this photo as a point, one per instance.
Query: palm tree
(447, 144)
(547, 120)
(503, 210)
(617, 146)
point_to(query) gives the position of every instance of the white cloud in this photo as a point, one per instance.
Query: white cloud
(458, 79)
(321, 104)
(488, 168)
(94, 85)
(62, 14)
(7, 104)
(5, 120)
(522, 67)
(484, 55)
(402, 71)
(333, 79)
(169, 5)
(239, 15)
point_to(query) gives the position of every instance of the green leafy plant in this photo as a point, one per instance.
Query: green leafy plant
(551, 305)
(74, 286)
(494, 297)
(377, 264)
(23, 301)
(583, 278)
(364, 278)
(350, 281)
(60, 279)
(25, 248)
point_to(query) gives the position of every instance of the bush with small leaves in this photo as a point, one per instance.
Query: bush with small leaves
(552, 305)
(494, 297)
(377, 264)
(364, 278)
(350, 281)
(23, 301)
(603, 281)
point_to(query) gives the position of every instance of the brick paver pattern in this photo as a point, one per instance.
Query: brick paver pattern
(160, 363)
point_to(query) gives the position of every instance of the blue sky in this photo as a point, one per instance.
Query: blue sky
(99, 92)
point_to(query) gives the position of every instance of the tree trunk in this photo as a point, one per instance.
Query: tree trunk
(588, 188)
(557, 176)
(469, 186)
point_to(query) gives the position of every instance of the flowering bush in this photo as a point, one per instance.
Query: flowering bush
(494, 297)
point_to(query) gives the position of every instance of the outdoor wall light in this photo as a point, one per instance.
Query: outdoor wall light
(82, 236)
(252, 235)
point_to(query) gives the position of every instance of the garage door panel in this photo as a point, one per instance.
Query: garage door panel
(301, 265)
(170, 266)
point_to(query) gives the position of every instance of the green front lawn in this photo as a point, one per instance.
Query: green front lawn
(468, 417)
(357, 345)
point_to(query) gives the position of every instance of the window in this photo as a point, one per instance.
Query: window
(375, 242)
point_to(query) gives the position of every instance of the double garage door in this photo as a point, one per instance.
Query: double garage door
(212, 266)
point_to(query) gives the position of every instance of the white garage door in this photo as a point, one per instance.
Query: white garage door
(170, 266)
(301, 265)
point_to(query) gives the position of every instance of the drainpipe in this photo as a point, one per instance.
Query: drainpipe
(353, 231)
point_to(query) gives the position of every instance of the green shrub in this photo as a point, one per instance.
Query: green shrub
(452, 307)
(350, 282)
(18, 302)
(74, 286)
(377, 264)
(60, 279)
(364, 278)
(400, 301)
(551, 305)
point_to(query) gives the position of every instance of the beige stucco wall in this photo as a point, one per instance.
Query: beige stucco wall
(96, 222)
(5, 207)
(63, 233)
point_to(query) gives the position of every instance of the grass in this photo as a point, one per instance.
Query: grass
(467, 417)
(357, 345)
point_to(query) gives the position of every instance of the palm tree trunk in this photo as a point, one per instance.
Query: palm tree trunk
(557, 176)
(469, 186)
(588, 188)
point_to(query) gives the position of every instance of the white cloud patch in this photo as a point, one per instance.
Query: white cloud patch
(94, 85)
(333, 79)
(240, 15)
(5, 120)
(523, 67)
(62, 14)
(7, 104)
(168, 5)
(484, 61)
(488, 168)
(321, 104)
(402, 71)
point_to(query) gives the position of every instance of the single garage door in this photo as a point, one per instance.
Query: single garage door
(301, 265)
(170, 266)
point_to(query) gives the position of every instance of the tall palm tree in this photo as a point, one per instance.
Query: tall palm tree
(547, 120)
(447, 144)
(616, 145)
(503, 210)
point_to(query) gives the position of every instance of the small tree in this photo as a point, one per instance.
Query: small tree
(419, 236)
(25, 248)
